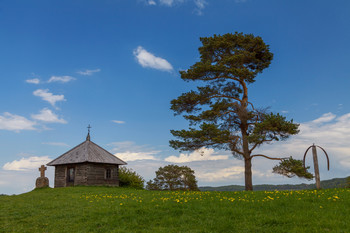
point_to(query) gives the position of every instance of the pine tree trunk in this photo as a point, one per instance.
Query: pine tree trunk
(248, 174)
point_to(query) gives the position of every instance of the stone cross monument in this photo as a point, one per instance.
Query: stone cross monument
(42, 181)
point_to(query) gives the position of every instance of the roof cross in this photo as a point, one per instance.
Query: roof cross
(42, 171)
(88, 136)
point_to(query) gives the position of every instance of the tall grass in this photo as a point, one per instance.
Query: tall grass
(104, 209)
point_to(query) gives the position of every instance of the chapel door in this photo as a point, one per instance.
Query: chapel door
(70, 176)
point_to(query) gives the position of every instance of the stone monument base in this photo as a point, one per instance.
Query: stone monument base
(42, 182)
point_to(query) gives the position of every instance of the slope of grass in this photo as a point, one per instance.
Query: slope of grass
(104, 209)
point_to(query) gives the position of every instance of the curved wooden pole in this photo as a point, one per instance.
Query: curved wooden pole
(326, 156)
(305, 156)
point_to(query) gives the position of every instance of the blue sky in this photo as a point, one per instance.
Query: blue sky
(115, 64)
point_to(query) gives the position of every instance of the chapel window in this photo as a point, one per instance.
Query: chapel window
(108, 173)
(71, 174)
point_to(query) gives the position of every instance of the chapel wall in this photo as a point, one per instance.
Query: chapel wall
(96, 174)
(81, 174)
(60, 176)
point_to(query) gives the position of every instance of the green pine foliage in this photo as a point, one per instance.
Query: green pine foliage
(292, 167)
(129, 178)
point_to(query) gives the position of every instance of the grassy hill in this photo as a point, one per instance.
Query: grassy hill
(325, 184)
(104, 209)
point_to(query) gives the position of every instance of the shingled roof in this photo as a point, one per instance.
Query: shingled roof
(87, 152)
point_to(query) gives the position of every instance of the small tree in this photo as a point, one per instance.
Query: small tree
(173, 177)
(348, 182)
(129, 178)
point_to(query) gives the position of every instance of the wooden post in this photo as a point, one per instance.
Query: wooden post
(317, 171)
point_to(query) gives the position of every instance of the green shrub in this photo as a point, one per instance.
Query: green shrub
(129, 178)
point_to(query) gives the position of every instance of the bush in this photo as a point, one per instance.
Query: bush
(129, 178)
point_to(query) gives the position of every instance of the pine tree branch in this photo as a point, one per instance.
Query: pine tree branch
(225, 96)
(259, 143)
(260, 155)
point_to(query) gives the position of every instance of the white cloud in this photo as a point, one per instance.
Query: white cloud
(329, 131)
(60, 79)
(20, 181)
(49, 97)
(89, 72)
(33, 81)
(327, 117)
(147, 59)
(129, 151)
(151, 2)
(133, 156)
(202, 154)
(167, 2)
(229, 173)
(13, 122)
(200, 4)
(118, 122)
(25, 164)
(48, 116)
(56, 144)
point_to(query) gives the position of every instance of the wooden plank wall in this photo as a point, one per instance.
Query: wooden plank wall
(96, 174)
(81, 174)
(87, 174)
(60, 176)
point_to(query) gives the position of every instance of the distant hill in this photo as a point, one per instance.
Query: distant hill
(325, 184)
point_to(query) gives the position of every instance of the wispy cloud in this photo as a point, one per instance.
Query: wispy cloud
(33, 81)
(151, 2)
(129, 151)
(16, 123)
(46, 115)
(202, 154)
(61, 79)
(88, 72)
(118, 122)
(49, 97)
(169, 2)
(56, 144)
(199, 4)
(327, 117)
(133, 156)
(147, 59)
(229, 173)
(26, 164)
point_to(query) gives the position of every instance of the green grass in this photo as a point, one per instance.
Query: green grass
(104, 209)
